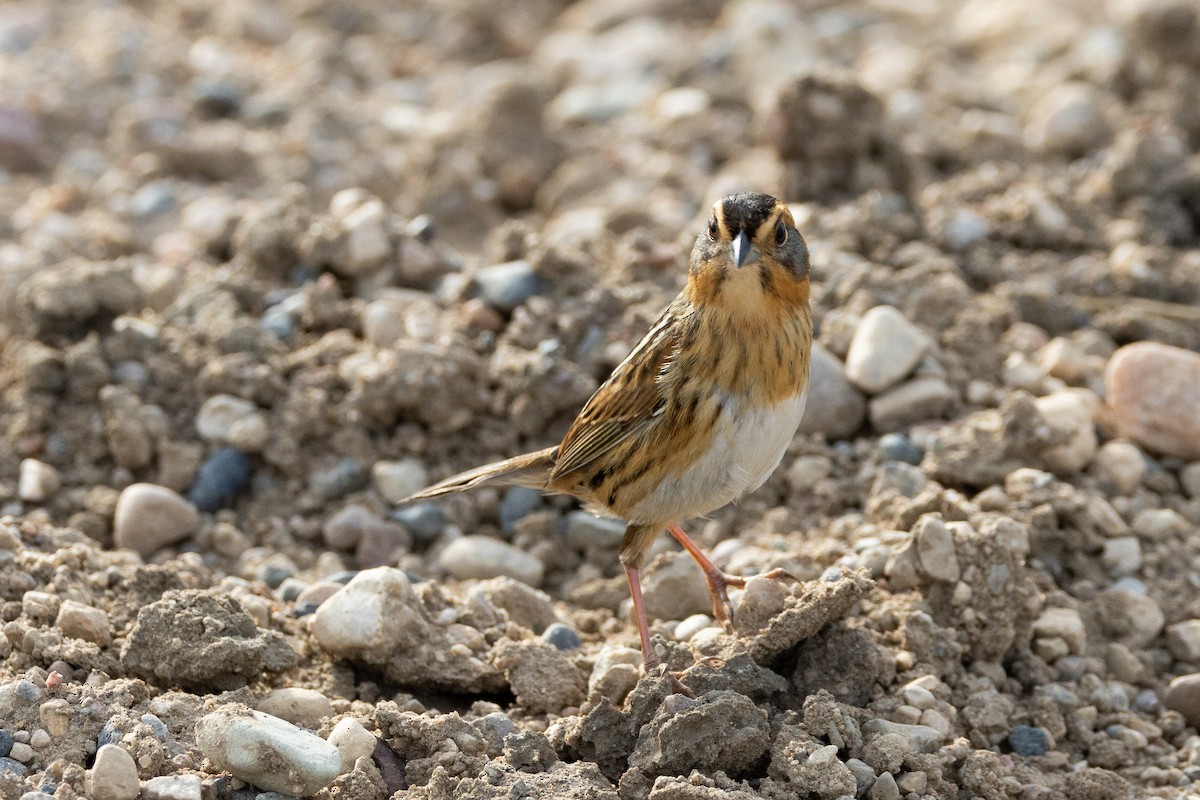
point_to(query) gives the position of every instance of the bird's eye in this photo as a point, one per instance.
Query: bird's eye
(712, 228)
(780, 233)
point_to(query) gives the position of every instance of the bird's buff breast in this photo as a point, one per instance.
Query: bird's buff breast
(749, 444)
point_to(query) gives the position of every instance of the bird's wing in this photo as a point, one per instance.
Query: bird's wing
(629, 401)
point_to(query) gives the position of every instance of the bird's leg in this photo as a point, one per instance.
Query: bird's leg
(649, 657)
(718, 580)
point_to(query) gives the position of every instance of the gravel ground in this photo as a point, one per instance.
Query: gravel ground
(268, 267)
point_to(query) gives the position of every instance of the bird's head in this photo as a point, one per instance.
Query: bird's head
(749, 257)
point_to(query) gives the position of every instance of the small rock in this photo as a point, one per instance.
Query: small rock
(914, 401)
(114, 775)
(805, 472)
(37, 480)
(506, 286)
(884, 788)
(1154, 391)
(1064, 624)
(584, 531)
(365, 244)
(424, 521)
(149, 517)
(1068, 121)
(689, 627)
(1121, 465)
(898, 447)
(225, 419)
(22, 752)
(317, 593)
(1189, 477)
(173, 787)
(352, 741)
(297, 705)
(80, 621)
(1122, 555)
(921, 737)
(1028, 741)
(266, 751)
(675, 588)
(562, 637)
(1183, 640)
(221, 478)
(1069, 413)
(396, 480)
(964, 228)
(6, 743)
(1159, 524)
(13, 766)
(1183, 695)
(834, 408)
(885, 348)
(935, 549)
(483, 557)
(1132, 618)
(343, 530)
(346, 476)
(517, 502)
(369, 617)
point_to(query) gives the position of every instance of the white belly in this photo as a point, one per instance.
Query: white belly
(740, 459)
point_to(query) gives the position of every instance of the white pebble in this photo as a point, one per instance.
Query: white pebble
(885, 348)
(352, 741)
(396, 480)
(369, 617)
(266, 751)
(37, 480)
(114, 775)
(484, 557)
(149, 517)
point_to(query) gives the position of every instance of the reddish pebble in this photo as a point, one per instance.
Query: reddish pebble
(1154, 392)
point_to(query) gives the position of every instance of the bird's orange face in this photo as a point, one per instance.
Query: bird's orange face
(750, 258)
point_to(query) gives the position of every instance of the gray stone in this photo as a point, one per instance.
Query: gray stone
(81, 621)
(114, 775)
(921, 737)
(369, 617)
(935, 549)
(914, 401)
(484, 557)
(835, 408)
(1068, 121)
(1183, 695)
(1028, 741)
(1122, 555)
(1119, 464)
(506, 286)
(173, 787)
(266, 751)
(1157, 524)
(586, 530)
(297, 705)
(885, 348)
(1183, 640)
(149, 517)
(1064, 624)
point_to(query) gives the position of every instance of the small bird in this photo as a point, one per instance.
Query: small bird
(701, 411)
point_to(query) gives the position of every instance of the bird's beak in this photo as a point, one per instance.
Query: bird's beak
(744, 251)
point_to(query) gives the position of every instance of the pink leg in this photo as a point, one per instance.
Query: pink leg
(717, 579)
(649, 657)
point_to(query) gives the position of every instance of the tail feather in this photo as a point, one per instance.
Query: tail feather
(531, 469)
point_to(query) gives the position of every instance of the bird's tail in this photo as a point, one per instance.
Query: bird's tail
(531, 469)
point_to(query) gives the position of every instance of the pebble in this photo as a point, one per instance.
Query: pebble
(80, 621)
(364, 220)
(1028, 741)
(22, 752)
(37, 480)
(1189, 477)
(339, 480)
(585, 531)
(964, 228)
(1069, 412)
(1183, 695)
(508, 285)
(935, 549)
(914, 401)
(1067, 121)
(1122, 555)
(834, 408)
(14, 766)
(424, 521)
(226, 419)
(396, 480)
(1064, 624)
(562, 637)
(266, 751)
(921, 737)
(222, 477)
(6, 743)
(484, 557)
(1157, 524)
(352, 741)
(864, 775)
(149, 517)
(369, 617)
(173, 787)
(884, 788)
(114, 775)
(690, 626)
(1154, 392)
(317, 593)
(517, 502)
(1135, 617)
(343, 530)
(383, 323)
(1183, 640)
(886, 347)
(298, 705)
(898, 447)
(1121, 465)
